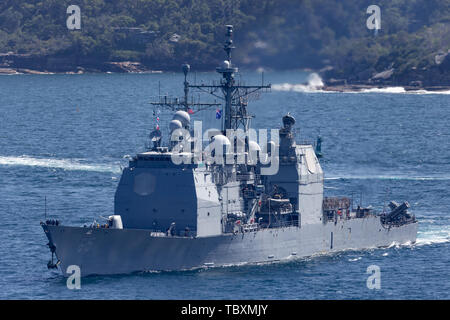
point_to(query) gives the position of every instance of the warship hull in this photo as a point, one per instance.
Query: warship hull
(239, 198)
(101, 251)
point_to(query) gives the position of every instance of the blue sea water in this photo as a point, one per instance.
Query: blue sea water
(64, 137)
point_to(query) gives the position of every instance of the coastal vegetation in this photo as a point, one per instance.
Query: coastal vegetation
(329, 35)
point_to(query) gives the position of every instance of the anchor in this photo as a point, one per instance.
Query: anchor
(51, 264)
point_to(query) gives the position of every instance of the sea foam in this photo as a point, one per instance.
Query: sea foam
(65, 164)
(315, 84)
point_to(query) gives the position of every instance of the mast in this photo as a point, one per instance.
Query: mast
(234, 95)
(228, 75)
(175, 104)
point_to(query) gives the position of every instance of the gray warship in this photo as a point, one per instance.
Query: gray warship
(181, 207)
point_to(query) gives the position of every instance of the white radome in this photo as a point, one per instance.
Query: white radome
(221, 140)
(226, 64)
(253, 149)
(183, 117)
(174, 125)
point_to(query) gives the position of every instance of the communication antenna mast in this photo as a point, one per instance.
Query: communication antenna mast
(234, 95)
(176, 104)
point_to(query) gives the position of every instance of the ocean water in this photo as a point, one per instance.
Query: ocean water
(65, 137)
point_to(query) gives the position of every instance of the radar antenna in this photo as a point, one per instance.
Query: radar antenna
(176, 104)
(235, 95)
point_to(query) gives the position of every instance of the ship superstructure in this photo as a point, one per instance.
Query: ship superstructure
(222, 197)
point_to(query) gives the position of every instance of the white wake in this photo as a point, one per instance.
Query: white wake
(389, 177)
(65, 164)
(399, 90)
(433, 235)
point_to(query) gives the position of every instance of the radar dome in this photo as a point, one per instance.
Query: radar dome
(253, 146)
(253, 149)
(221, 140)
(174, 125)
(217, 147)
(226, 64)
(183, 117)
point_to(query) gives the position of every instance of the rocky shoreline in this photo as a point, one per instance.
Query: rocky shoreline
(11, 63)
(107, 67)
(136, 67)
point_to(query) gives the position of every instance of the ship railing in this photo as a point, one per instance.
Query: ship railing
(259, 226)
(250, 227)
(179, 234)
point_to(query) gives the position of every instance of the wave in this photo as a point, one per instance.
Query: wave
(80, 165)
(383, 90)
(399, 90)
(319, 89)
(433, 235)
(389, 177)
(66, 164)
(315, 84)
(355, 259)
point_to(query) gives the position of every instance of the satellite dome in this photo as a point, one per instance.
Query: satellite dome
(217, 149)
(183, 117)
(174, 125)
(226, 64)
(253, 149)
(221, 140)
(253, 146)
